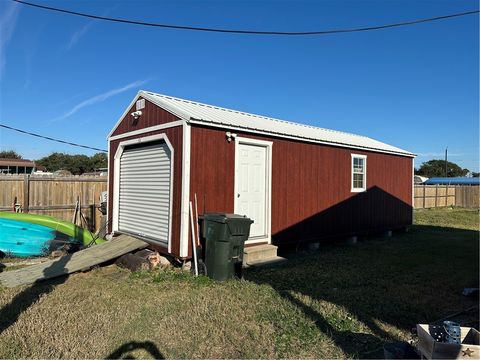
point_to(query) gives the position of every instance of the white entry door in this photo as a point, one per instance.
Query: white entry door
(252, 181)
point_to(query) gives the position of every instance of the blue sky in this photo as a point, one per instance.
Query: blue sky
(414, 87)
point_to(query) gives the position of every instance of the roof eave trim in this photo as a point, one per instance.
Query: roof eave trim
(123, 115)
(296, 137)
(181, 115)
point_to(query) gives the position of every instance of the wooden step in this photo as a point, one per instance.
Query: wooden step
(259, 253)
(271, 262)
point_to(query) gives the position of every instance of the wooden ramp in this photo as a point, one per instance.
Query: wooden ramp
(71, 263)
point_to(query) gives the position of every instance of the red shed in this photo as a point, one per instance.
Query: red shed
(298, 183)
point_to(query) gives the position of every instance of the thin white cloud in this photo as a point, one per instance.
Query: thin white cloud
(30, 51)
(8, 20)
(99, 98)
(77, 35)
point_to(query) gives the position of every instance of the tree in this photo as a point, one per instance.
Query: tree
(475, 174)
(9, 154)
(76, 164)
(436, 168)
(54, 161)
(99, 160)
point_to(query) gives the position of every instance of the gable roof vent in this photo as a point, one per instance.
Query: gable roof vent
(140, 104)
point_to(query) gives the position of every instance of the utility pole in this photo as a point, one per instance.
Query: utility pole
(446, 166)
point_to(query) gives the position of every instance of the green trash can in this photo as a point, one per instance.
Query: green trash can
(224, 238)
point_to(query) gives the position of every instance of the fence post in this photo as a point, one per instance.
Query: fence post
(436, 194)
(424, 196)
(446, 196)
(26, 193)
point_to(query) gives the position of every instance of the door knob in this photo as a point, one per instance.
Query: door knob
(238, 195)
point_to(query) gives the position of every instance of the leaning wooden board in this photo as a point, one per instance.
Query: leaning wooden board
(431, 349)
(71, 263)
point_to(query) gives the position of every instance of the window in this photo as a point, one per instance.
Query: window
(359, 173)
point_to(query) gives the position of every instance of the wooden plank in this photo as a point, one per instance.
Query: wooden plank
(424, 196)
(10, 177)
(446, 196)
(70, 179)
(52, 207)
(71, 263)
(26, 193)
(469, 197)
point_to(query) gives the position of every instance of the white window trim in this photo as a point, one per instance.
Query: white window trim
(116, 179)
(268, 219)
(364, 188)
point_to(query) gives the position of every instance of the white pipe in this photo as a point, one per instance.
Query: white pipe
(194, 248)
(196, 220)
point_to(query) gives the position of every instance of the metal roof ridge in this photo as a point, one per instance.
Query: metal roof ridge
(161, 98)
(254, 115)
(398, 151)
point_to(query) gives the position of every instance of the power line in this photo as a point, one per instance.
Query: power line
(52, 139)
(249, 32)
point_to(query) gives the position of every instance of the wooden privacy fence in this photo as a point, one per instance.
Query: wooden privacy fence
(431, 196)
(53, 195)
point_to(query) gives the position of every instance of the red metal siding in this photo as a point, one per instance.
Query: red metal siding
(153, 115)
(311, 187)
(212, 168)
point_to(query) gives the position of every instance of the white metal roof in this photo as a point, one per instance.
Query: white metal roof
(209, 115)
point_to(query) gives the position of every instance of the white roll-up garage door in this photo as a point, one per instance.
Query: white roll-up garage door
(145, 192)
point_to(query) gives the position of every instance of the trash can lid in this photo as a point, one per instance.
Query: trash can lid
(223, 217)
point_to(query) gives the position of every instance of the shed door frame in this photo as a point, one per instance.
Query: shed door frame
(116, 178)
(268, 191)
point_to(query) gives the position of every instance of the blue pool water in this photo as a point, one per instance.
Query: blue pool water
(22, 239)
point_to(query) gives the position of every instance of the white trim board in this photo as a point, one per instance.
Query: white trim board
(147, 129)
(268, 192)
(116, 178)
(184, 211)
(413, 189)
(108, 189)
(123, 115)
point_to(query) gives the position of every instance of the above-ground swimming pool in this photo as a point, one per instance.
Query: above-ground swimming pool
(23, 239)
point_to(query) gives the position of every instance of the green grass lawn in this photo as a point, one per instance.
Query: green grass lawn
(342, 301)
(448, 217)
